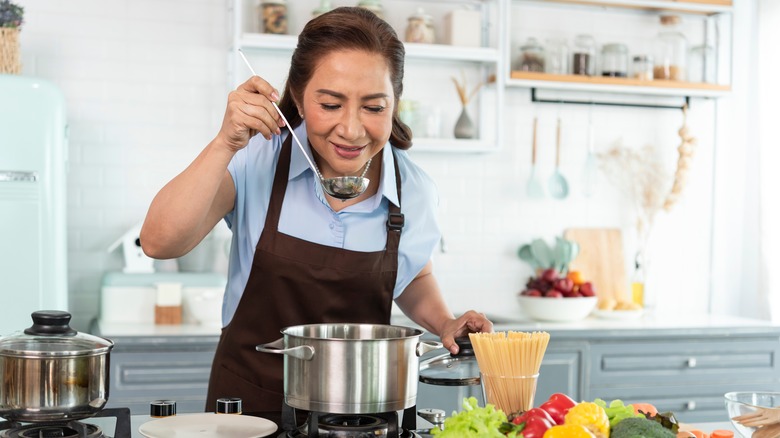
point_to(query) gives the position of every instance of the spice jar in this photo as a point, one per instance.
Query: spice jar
(614, 60)
(324, 7)
(374, 6)
(274, 16)
(420, 28)
(584, 55)
(671, 51)
(531, 56)
(642, 68)
(557, 60)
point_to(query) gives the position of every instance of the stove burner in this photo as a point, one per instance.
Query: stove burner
(71, 429)
(326, 425)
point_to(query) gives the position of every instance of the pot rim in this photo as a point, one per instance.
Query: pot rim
(414, 332)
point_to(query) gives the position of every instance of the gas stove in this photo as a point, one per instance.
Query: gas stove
(328, 425)
(69, 428)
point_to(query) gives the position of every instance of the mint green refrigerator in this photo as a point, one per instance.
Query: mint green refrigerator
(33, 164)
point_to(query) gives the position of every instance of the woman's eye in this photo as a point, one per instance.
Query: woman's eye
(330, 107)
(375, 109)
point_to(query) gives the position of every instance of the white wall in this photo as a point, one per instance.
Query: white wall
(145, 83)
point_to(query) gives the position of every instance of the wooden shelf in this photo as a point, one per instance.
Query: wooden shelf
(703, 7)
(261, 41)
(618, 85)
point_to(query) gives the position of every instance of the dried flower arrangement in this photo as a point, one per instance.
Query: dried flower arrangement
(641, 174)
(11, 20)
(463, 94)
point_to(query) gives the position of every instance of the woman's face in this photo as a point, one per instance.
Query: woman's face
(348, 109)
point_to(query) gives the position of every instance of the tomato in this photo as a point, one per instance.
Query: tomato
(557, 406)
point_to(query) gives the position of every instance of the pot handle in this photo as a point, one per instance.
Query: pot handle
(426, 346)
(303, 352)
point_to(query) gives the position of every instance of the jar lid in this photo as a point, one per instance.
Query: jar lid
(51, 336)
(446, 369)
(421, 15)
(615, 47)
(669, 20)
(531, 44)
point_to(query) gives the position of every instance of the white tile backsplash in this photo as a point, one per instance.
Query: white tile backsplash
(146, 86)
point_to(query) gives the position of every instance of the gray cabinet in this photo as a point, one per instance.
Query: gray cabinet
(144, 369)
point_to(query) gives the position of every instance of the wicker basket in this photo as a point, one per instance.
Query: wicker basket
(10, 62)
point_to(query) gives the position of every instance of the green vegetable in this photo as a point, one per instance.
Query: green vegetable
(666, 419)
(474, 422)
(617, 411)
(638, 427)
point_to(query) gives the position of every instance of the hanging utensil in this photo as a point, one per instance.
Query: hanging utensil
(343, 187)
(590, 172)
(557, 184)
(534, 188)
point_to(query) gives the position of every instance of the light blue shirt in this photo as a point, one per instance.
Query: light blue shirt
(307, 215)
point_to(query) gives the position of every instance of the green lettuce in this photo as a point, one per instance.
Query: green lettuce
(473, 422)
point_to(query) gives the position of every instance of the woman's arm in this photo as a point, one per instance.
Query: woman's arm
(192, 203)
(423, 303)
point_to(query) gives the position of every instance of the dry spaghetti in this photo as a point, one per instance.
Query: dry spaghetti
(509, 363)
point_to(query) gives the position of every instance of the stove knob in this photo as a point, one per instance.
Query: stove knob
(433, 416)
(162, 408)
(229, 405)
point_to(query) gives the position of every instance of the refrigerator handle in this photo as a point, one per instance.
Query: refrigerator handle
(18, 176)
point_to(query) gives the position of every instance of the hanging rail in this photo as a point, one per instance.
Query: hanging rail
(535, 99)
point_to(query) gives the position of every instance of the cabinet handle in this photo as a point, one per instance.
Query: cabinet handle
(17, 176)
(691, 405)
(692, 362)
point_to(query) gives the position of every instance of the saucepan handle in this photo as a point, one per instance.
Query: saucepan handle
(426, 346)
(303, 352)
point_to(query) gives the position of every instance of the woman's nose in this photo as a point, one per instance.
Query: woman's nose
(350, 126)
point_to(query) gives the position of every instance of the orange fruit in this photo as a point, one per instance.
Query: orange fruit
(576, 277)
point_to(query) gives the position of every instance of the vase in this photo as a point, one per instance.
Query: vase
(464, 127)
(10, 62)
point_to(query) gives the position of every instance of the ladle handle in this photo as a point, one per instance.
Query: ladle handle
(292, 132)
(558, 144)
(533, 146)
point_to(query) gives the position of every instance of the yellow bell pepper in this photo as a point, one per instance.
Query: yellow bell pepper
(568, 431)
(590, 415)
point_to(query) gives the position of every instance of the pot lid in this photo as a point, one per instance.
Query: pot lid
(51, 336)
(452, 370)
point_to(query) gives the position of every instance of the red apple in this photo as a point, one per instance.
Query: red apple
(564, 285)
(552, 293)
(587, 289)
(533, 293)
(549, 275)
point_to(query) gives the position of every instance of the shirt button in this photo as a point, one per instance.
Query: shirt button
(332, 226)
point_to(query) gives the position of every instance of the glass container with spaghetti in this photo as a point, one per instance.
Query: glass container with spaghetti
(509, 363)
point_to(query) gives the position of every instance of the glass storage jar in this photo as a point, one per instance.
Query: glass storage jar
(531, 56)
(557, 59)
(324, 7)
(420, 28)
(642, 67)
(274, 16)
(374, 6)
(584, 55)
(614, 60)
(702, 64)
(671, 51)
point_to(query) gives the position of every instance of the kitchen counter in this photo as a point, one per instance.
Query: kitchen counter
(108, 424)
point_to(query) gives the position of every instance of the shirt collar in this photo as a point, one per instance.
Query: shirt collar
(299, 165)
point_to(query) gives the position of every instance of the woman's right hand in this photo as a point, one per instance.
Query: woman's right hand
(250, 111)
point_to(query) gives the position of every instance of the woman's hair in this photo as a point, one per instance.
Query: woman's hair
(346, 28)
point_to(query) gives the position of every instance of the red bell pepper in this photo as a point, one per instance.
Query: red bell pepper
(557, 406)
(533, 423)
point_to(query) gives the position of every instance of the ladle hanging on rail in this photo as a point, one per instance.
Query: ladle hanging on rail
(342, 187)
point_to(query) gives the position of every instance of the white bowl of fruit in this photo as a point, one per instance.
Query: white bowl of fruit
(551, 296)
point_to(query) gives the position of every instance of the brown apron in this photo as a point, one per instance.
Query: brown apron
(294, 282)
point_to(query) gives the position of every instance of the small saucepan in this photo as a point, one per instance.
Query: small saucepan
(51, 372)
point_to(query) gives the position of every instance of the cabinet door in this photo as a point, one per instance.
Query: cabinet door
(560, 372)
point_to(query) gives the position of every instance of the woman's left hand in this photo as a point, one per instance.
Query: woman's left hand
(469, 322)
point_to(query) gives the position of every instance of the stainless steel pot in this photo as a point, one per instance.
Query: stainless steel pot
(51, 372)
(350, 368)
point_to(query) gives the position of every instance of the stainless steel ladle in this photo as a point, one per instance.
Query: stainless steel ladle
(342, 187)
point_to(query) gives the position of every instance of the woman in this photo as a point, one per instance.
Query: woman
(299, 256)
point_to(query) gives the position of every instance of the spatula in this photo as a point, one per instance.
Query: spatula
(557, 184)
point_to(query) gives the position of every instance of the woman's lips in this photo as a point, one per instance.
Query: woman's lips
(348, 152)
